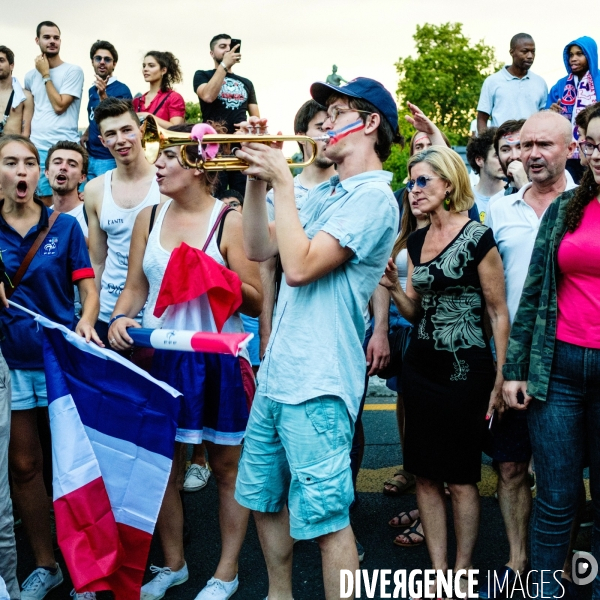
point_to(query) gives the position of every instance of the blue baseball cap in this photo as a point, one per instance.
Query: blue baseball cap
(362, 87)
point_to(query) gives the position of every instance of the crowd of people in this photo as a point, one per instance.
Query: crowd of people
(474, 295)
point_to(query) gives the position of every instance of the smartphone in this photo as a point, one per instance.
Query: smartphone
(235, 43)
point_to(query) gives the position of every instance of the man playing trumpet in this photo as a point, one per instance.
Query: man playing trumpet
(295, 469)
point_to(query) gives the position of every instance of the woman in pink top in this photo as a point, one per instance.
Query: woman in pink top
(161, 70)
(552, 367)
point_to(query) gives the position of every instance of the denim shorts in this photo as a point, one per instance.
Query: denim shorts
(43, 187)
(299, 454)
(28, 389)
(99, 166)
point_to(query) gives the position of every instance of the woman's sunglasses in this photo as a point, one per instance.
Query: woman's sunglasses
(421, 181)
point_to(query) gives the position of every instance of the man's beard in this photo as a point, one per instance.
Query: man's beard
(4, 75)
(64, 189)
(323, 163)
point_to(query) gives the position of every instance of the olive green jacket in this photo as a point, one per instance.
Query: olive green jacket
(533, 333)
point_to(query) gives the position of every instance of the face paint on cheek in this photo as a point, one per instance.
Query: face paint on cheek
(340, 134)
(132, 136)
(110, 142)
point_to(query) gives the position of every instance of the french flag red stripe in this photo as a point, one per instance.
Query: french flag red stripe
(107, 554)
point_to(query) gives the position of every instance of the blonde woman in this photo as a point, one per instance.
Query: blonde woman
(448, 376)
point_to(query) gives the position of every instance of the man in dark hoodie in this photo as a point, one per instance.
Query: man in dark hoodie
(580, 88)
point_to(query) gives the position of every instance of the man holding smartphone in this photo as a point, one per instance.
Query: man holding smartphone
(226, 97)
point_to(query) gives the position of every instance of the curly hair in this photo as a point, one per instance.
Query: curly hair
(167, 61)
(588, 188)
(478, 147)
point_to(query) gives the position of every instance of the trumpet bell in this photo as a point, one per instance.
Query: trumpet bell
(156, 138)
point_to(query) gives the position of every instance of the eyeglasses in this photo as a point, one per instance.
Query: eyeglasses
(588, 148)
(105, 59)
(333, 113)
(421, 181)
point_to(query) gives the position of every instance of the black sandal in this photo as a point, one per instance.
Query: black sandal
(407, 533)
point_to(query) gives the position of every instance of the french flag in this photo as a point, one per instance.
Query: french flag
(113, 433)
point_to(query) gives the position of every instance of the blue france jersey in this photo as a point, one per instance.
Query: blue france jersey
(46, 287)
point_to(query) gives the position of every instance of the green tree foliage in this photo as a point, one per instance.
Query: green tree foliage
(445, 78)
(192, 112)
(444, 81)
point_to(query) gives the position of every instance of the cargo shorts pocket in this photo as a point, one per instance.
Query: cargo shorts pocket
(325, 488)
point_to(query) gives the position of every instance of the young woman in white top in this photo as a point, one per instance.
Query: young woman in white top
(188, 217)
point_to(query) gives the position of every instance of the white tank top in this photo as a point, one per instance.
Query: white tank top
(118, 224)
(196, 314)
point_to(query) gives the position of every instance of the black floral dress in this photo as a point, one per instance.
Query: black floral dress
(448, 372)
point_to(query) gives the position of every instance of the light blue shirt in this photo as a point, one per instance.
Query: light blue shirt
(315, 347)
(504, 96)
(300, 193)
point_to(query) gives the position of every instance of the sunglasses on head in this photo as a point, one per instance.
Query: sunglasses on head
(421, 181)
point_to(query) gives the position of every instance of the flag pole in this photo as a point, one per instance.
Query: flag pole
(29, 312)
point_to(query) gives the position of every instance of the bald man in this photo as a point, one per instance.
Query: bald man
(514, 92)
(546, 144)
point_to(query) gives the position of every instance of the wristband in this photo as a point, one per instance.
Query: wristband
(226, 69)
(114, 319)
(46, 79)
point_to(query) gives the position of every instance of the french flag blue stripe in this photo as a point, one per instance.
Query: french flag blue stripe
(144, 408)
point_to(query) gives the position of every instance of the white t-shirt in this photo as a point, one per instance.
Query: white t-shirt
(77, 212)
(515, 225)
(47, 127)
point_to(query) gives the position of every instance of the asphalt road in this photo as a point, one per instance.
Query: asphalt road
(369, 519)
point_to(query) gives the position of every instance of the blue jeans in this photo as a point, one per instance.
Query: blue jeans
(560, 429)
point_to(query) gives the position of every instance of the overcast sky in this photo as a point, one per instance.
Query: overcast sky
(286, 45)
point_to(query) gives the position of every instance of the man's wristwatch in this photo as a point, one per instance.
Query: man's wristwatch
(46, 79)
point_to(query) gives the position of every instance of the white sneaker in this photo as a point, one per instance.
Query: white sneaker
(216, 589)
(165, 579)
(196, 478)
(39, 583)
(84, 596)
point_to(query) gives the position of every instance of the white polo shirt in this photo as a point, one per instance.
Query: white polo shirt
(515, 226)
(504, 96)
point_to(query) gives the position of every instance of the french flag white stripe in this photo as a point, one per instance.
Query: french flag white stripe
(73, 461)
(134, 479)
(169, 339)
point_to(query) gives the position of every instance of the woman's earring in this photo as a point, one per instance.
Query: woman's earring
(447, 201)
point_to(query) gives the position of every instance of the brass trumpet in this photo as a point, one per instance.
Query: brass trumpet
(155, 139)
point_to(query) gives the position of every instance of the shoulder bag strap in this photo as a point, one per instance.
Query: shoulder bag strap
(29, 256)
(152, 217)
(9, 105)
(161, 103)
(218, 220)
